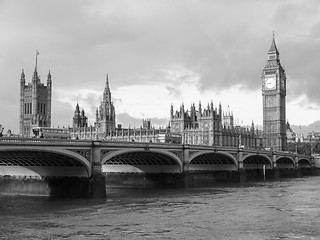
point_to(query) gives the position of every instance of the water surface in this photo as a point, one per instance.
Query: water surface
(289, 209)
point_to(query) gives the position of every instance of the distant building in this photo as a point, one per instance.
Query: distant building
(228, 121)
(274, 101)
(35, 103)
(105, 114)
(312, 137)
(105, 125)
(209, 126)
(79, 118)
(146, 123)
(291, 135)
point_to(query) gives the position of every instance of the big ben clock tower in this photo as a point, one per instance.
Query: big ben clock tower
(274, 101)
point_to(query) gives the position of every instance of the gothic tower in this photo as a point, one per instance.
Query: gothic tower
(274, 101)
(105, 115)
(35, 103)
(79, 118)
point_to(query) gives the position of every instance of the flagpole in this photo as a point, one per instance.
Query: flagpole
(37, 53)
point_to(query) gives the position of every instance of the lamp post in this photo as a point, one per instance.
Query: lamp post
(310, 145)
(1, 130)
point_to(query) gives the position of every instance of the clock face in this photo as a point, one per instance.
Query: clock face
(270, 82)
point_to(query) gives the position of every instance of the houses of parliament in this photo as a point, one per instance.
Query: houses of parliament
(203, 125)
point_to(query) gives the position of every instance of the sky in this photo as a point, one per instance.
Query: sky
(158, 53)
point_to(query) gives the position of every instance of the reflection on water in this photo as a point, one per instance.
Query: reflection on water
(274, 210)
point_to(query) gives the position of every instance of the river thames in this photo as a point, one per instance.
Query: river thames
(288, 209)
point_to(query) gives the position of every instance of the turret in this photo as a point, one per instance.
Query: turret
(49, 81)
(22, 107)
(200, 108)
(107, 83)
(182, 110)
(49, 95)
(35, 76)
(105, 117)
(23, 78)
(77, 110)
(107, 92)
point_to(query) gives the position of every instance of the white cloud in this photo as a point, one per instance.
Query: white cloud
(167, 51)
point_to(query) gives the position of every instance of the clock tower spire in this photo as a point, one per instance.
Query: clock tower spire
(274, 101)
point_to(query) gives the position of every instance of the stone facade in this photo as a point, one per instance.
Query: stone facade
(35, 103)
(209, 126)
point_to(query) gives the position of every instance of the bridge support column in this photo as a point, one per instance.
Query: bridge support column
(241, 170)
(187, 176)
(298, 172)
(297, 168)
(276, 173)
(97, 179)
(243, 175)
(185, 159)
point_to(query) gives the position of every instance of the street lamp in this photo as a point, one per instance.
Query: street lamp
(1, 130)
(310, 144)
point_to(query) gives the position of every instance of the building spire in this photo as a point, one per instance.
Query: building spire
(77, 111)
(22, 74)
(49, 81)
(37, 53)
(273, 47)
(35, 73)
(107, 82)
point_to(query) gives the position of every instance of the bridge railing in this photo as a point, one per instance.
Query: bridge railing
(41, 141)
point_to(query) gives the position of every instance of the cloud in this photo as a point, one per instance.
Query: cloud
(128, 121)
(157, 52)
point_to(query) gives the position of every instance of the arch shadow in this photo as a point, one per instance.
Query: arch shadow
(285, 162)
(39, 162)
(304, 163)
(254, 161)
(141, 161)
(212, 161)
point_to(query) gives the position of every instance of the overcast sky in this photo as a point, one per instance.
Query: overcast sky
(159, 53)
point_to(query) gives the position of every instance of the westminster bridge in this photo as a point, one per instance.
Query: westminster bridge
(32, 160)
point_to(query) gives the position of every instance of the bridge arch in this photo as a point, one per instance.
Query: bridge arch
(256, 161)
(304, 163)
(222, 161)
(141, 160)
(40, 161)
(285, 162)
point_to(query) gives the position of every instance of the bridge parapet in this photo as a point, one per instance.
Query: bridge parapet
(42, 141)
